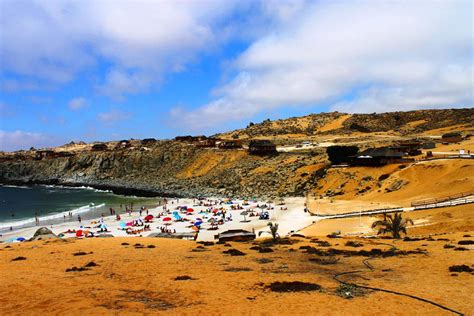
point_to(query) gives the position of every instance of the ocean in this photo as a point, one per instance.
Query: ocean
(19, 204)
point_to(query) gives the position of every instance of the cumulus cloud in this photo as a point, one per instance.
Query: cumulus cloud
(77, 103)
(360, 56)
(10, 141)
(113, 116)
(55, 40)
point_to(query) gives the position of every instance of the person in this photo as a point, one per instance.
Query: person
(118, 217)
(64, 217)
(79, 218)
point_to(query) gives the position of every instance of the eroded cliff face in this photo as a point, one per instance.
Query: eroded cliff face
(173, 168)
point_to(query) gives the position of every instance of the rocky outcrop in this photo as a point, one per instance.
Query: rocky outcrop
(169, 168)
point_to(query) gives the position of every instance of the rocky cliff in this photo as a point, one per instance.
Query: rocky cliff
(183, 169)
(172, 168)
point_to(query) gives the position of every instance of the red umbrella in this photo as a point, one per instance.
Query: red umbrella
(79, 233)
(149, 217)
(189, 210)
(166, 219)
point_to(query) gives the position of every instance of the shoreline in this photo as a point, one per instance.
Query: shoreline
(291, 219)
(119, 190)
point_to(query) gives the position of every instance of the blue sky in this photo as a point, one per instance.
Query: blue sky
(107, 70)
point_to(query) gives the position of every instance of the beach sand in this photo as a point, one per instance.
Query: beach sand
(142, 280)
(290, 219)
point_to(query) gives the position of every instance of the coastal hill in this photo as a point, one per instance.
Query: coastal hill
(183, 168)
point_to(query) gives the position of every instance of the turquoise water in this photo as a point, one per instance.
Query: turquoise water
(19, 205)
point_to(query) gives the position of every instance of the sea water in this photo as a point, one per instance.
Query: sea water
(53, 204)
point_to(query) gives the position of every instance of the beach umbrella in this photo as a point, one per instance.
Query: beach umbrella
(149, 217)
(197, 224)
(103, 226)
(166, 219)
(79, 233)
(244, 213)
(21, 239)
(190, 210)
(122, 225)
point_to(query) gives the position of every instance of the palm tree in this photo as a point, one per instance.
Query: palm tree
(273, 231)
(392, 224)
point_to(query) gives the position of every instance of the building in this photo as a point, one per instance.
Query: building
(50, 154)
(379, 157)
(453, 137)
(262, 147)
(99, 147)
(123, 144)
(411, 147)
(207, 143)
(190, 138)
(230, 144)
(428, 145)
(44, 154)
(148, 141)
(235, 235)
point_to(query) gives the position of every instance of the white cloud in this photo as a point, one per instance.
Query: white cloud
(362, 56)
(55, 40)
(77, 103)
(113, 116)
(10, 141)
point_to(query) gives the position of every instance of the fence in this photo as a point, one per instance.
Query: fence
(442, 199)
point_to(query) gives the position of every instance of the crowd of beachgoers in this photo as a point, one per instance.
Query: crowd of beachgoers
(201, 218)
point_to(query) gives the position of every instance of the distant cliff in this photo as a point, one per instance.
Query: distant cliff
(170, 168)
(182, 168)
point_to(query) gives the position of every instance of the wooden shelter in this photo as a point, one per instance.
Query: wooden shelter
(148, 141)
(453, 137)
(411, 147)
(207, 143)
(235, 235)
(230, 144)
(379, 157)
(262, 147)
(99, 147)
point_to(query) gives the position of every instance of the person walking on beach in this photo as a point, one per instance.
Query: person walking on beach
(79, 218)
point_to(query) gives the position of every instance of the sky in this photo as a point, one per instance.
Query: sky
(100, 70)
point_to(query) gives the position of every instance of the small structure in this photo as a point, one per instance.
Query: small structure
(207, 143)
(99, 147)
(230, 144)
(190, 138)
(148, 141)
(453, 137)
(123, 144)
(411, 147)
(428, 145)
(262, 147)
(44, 154)
(187, 236)
(235, 235)
(379, 157)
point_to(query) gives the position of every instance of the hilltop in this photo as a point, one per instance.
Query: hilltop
(184, 168)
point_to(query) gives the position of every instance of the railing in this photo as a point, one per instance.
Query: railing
(442, 199)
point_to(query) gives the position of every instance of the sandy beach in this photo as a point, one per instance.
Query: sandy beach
(290, 215)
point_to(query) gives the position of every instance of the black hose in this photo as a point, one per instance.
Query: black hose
(336, 277)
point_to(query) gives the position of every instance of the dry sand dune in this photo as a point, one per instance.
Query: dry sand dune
(135, 280)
